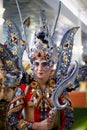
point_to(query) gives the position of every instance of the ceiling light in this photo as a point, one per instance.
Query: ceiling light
(2, 11)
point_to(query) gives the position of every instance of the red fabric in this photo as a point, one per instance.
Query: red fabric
(22, 86)
(28, 96)
(36, 115)
(62, 120)
(62, 117)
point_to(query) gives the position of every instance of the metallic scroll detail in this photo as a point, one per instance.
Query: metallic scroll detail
(60, 87)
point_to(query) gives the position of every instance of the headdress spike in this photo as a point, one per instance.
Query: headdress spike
(43, 22)
(56, 19)
(22, 25)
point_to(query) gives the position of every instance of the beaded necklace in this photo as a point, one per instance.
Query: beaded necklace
(42, 99)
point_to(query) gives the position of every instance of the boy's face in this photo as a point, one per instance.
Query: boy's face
(41, 68)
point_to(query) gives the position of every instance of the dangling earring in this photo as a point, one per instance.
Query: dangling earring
(52, 72)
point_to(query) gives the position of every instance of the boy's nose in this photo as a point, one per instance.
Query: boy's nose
(40, 66)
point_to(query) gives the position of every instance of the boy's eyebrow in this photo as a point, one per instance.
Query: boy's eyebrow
(40, 62)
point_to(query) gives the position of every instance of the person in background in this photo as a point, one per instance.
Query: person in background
(9, 73)
(6, 94)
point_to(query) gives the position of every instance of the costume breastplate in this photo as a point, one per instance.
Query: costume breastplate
(41, 99)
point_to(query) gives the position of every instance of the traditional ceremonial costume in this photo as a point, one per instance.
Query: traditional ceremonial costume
(30, 103)
(37, 105)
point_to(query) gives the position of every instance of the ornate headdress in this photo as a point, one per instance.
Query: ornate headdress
(42, 49)
(43, 46)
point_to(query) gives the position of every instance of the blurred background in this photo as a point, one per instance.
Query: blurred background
(73, 13)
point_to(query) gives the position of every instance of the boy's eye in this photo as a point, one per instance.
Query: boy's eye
(36, 64)
(44, 64)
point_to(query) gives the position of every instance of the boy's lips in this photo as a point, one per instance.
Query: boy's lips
(40, 73)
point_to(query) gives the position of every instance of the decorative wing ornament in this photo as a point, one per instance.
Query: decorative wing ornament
(13, 75)
(13, 50)
(65, 53)
(64, 74)
(15, 43)
(11, 54)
